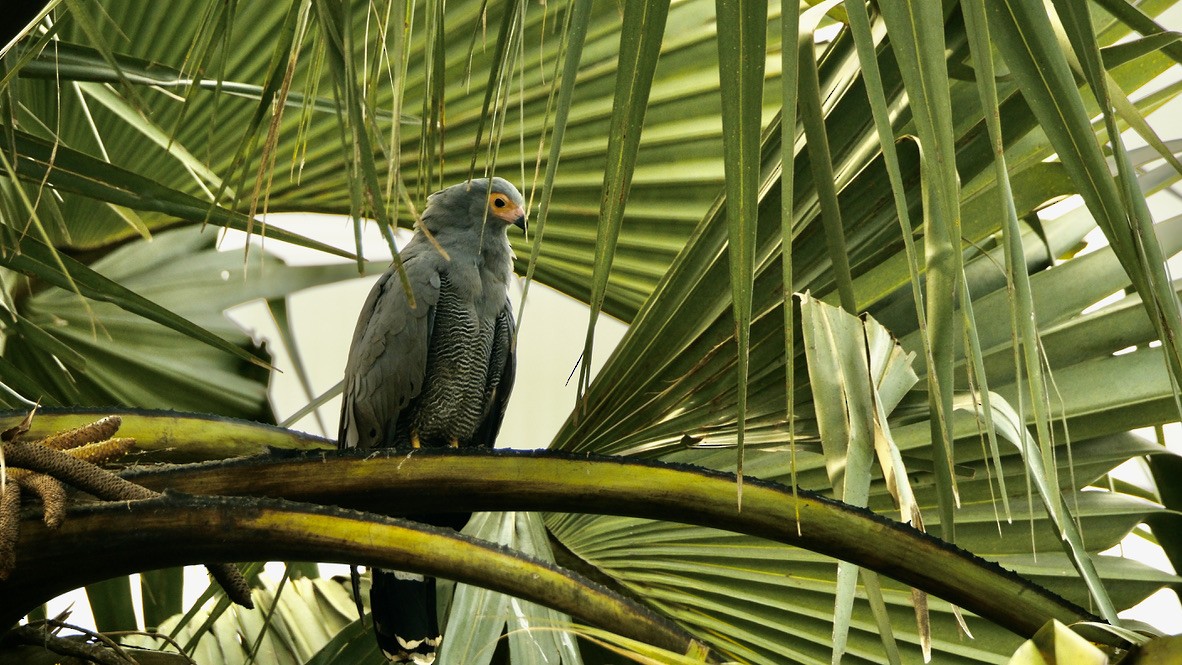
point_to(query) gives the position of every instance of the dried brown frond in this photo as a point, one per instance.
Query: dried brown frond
(107, 653)
(18, 430)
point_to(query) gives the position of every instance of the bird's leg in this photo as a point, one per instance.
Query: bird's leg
(414, 439)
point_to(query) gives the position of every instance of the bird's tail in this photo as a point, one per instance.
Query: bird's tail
(404, 616)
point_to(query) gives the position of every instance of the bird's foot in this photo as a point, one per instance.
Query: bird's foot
(454, 443)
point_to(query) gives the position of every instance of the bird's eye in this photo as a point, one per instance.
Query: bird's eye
(499, 202)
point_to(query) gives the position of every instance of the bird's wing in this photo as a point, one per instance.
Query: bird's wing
(502, 371)
(388, 358)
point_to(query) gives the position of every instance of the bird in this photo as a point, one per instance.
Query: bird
(436, 371)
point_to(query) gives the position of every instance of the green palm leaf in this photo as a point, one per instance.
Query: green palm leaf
(941, 132)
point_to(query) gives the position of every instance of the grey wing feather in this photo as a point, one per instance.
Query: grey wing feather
(388, 358)
(501, 373)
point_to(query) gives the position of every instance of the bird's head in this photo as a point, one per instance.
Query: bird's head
(480, 201)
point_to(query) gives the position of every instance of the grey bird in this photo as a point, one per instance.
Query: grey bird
(437, 373)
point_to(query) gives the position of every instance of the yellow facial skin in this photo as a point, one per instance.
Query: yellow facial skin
(501, 207)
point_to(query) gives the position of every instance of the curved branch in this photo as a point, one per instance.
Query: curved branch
(173, 436)
(402, 482)
(104, 540)
(104, 485)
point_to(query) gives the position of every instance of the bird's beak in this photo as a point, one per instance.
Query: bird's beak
(520, 221)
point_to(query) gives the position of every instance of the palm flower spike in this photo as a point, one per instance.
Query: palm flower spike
(73, 457)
